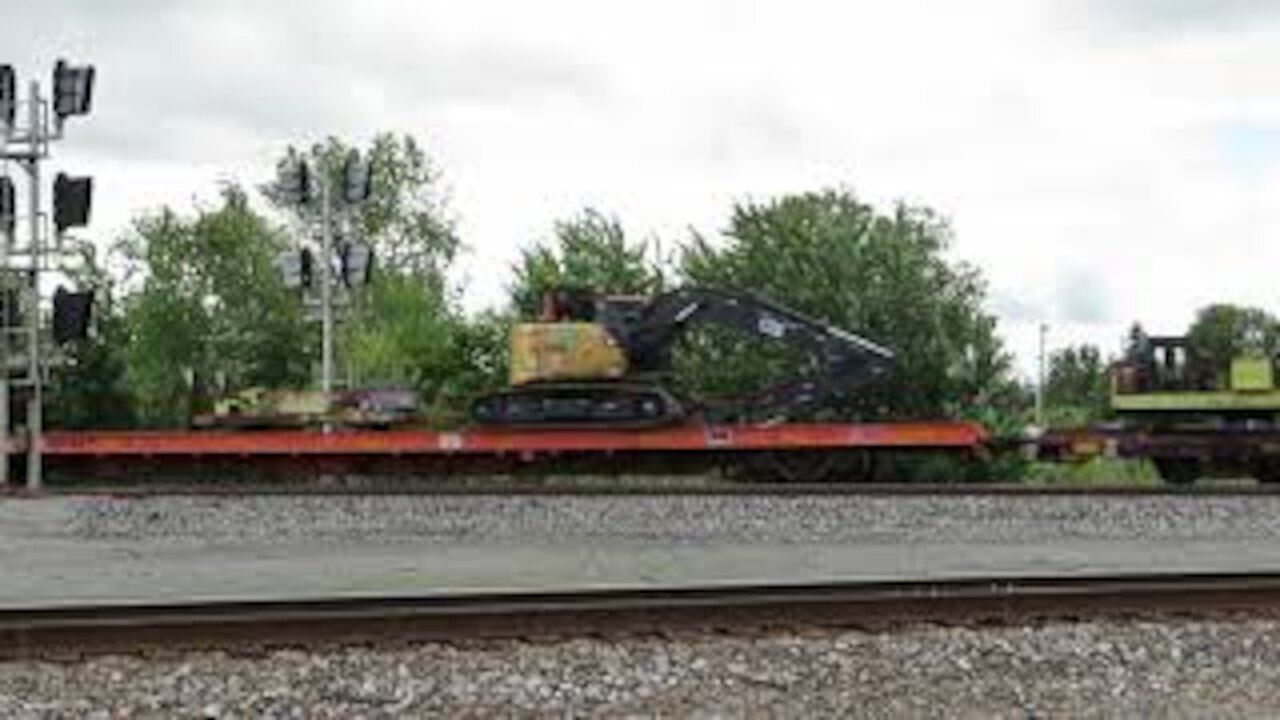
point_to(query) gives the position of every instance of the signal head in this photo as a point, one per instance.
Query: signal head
(72, 89)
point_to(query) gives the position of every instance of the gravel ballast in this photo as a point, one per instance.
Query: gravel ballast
(1164, 668)
(678, 519)
(1219, 668)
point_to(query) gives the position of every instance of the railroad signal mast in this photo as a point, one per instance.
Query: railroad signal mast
(341, 261)
(28, 126)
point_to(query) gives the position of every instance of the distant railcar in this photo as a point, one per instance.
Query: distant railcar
(1163, 388)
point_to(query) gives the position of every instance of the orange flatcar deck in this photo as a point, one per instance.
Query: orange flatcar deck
(693, 438)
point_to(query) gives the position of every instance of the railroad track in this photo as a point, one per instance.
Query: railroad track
(516, 488)
(77, 631)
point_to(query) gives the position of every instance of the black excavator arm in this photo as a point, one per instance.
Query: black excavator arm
(839, 361)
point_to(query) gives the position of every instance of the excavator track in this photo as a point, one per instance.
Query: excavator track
(579, 405)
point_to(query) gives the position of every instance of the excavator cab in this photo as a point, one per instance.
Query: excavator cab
(566, 343)
(567, 304)
(575, 304)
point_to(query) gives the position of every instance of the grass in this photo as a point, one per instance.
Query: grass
(1095, 471)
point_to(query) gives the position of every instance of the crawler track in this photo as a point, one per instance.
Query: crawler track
(85, 630)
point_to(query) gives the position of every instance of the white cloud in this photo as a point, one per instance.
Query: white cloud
(1102, 162)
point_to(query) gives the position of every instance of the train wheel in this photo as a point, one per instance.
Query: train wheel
(1266, 470)
(800, 466)
(821, 466)
(803, 466)
(855, 466)
(794, 466)
(1179, 471)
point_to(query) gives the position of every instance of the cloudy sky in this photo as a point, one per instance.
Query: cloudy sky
(1102, 160)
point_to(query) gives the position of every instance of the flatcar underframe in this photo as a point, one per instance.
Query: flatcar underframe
(1180, 455)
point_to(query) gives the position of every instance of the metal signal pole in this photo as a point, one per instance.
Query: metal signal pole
(6, 312)
(35, 138)
(71, 95)
(299, 180)
(35, 401)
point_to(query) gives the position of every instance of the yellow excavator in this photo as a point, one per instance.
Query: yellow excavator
(593, 360)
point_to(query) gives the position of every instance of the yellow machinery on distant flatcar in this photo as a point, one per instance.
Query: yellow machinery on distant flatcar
(1162, 379)
(262, 408)
(1162, 387)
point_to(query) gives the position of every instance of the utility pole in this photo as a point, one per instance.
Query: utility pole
(1044, 331)
(71, 95)
(326, 288)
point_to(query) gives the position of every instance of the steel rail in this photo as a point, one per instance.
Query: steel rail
(516, 488)
(78, 631)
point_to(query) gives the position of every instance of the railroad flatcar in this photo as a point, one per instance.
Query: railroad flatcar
(1193, 417)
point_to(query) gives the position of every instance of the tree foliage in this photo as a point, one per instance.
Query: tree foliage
(209, 308)
(590, 250)
(408, 333)
(199, 306)
(1223, 331)
(1077, 386)
(882, 275)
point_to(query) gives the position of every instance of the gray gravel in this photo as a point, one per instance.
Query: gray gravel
(1136, 669)
(676, 519)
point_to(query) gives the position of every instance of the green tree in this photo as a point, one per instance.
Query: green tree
(882, 275)
(419, 339)
(208, 306)
(1223, 331)
(483, 345)
(590, 250)
(1077, 387)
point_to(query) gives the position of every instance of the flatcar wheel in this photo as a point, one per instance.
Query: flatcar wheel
(1178, 471)
(856, 466)
(803, 466)
(1266, 470)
